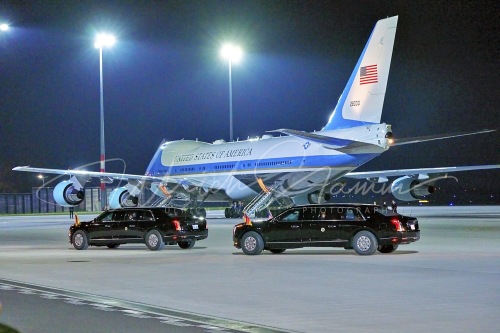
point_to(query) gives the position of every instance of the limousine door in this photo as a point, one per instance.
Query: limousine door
(104, 227)
(134, 224)
(287, 227)
(323, 227)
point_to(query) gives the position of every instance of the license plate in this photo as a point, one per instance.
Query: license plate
(195, 227)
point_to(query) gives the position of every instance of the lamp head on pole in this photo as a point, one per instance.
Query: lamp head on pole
(4, 27)
(231, 53)
(104, 40)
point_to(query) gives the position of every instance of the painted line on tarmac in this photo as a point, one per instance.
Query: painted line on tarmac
(208, 324)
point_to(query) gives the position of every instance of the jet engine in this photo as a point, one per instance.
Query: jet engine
(410, 188)
(122, 197)
(69, 193)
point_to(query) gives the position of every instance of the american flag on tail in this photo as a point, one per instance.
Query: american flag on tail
(368, 74)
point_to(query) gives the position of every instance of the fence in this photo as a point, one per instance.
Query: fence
(41, 200)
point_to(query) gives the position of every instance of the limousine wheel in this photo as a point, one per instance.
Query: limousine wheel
(387, 248)
(112, 246)
(277, 250)
(252, 243)
(365, 243)
(80, 241)
(154, 240)
(187, 244)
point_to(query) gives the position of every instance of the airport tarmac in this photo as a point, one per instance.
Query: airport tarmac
(447, 281)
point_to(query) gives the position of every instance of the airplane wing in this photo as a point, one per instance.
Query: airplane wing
(418, 139)
(342, 145)
(422, 171)
(322, 139)
(109, 177)
(92, 174)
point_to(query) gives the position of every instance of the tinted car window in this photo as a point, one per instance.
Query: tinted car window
(314, 213)
(145, 216)
(107, 216)
(351, 214)
(291, 216)
(131, 216)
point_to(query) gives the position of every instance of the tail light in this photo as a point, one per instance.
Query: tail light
(397, 224)
(177, 225)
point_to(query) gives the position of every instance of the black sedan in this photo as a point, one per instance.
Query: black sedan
(153, 226)
(364, 228)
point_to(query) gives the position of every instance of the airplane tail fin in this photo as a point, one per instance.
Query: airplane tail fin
(362, 100)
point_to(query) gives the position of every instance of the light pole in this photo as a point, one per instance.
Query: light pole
(43, 179)
(101, 41)
(232, 54)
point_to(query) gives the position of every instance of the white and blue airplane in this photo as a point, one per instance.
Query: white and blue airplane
(300, 165)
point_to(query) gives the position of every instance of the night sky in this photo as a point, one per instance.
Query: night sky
(164, 79)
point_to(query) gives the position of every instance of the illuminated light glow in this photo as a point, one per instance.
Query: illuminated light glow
(104, 40)
(177, 225)
(397, 224)
(231, 52)
(4, 27)
(262, 185)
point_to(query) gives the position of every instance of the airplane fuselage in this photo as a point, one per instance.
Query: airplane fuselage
(235, 166)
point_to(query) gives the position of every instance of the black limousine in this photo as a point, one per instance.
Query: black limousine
(155, 226)
(362, 227)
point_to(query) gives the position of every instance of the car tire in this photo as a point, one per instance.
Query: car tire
(277, 251)
(365, 243)
(112, 246)
(80, 240)
(154, 240)
(387, 248)
(252, 243)
(187, 244)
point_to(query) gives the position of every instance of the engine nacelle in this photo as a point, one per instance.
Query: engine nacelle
(68, 193)
(410, 189)
(121, 197)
